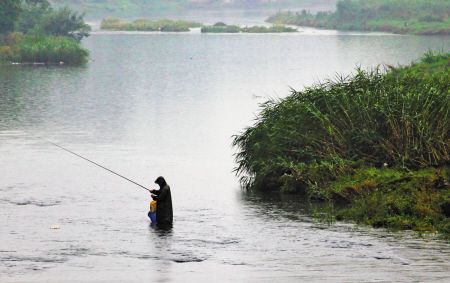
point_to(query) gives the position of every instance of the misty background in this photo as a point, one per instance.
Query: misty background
(95, 9)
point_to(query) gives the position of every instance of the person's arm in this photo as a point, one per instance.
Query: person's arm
(162, 194)
(155, 192)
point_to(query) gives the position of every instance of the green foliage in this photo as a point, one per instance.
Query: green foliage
(39, 17)
(51, 36)
(396, 198)
(331, 141)
(31, 15)
(398, 16)
(221, 27)
(401, 118)
(65, 22)
(147, 25)
(272, 29)
(9, 11)
(45, 49)
(179, 26)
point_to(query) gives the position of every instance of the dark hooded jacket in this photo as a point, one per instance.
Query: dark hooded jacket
(164, 213)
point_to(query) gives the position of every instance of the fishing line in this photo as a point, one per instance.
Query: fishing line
(95, 163)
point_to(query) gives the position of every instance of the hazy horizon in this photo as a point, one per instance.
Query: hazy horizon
(95, 9)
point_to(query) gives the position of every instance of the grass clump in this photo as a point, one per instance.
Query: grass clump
(224, 28)
(272, 29)
(220, 28)
(398, 16)
(147, 25)
(317, 141)
(395, 198)
(36, 32)
(44, 49)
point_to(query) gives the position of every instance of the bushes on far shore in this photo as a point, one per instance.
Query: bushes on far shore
(223, 28)
(115, 24)
(272, 29)
(147, 25)
(424, 17)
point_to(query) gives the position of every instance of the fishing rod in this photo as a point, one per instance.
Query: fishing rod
(95, 163)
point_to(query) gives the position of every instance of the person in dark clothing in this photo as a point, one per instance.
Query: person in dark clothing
(164, 213)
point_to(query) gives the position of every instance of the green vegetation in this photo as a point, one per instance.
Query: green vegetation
(425, 17)
(37, 33)
(181, 26)
(9, 11)
(272, 29)
(395, 198)
(369, 140)
(43, 19)
(223, 28)
(43, 49)
(147, 25)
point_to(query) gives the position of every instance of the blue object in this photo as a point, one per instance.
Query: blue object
(152, 216)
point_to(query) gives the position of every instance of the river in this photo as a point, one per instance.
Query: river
(155, 104)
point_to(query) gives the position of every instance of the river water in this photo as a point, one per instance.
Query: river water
(167, 104)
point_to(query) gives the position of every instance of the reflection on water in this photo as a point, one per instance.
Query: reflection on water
(168, 104)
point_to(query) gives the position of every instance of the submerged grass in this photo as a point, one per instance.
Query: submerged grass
(315, 140)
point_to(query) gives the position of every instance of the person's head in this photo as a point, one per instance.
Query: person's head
(160, 181)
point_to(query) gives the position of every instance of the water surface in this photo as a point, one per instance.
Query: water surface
(167, 104)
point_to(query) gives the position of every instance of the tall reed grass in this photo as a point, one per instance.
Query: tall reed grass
(399, 117)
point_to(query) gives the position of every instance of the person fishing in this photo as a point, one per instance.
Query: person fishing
(163, 198)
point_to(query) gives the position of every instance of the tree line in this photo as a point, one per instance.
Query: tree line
(424, 17)
(39, 17)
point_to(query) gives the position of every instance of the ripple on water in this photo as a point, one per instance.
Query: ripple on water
(16, 264)
(74, 251)
(33, 202)
(184, 257)
(212, 242)
(34, 259)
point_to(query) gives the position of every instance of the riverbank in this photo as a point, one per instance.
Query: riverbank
(377, 142)
(399, 16)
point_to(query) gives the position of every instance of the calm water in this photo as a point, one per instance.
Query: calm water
(167, 104)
